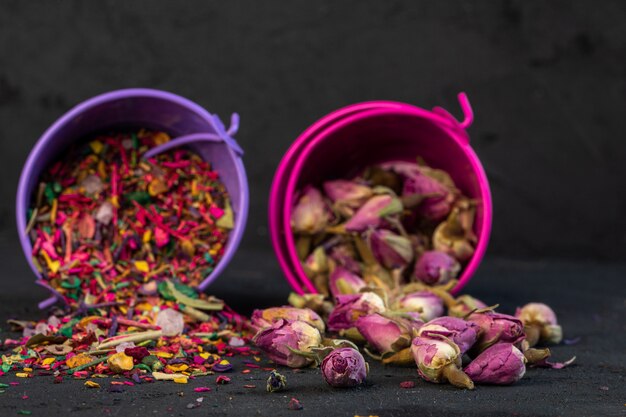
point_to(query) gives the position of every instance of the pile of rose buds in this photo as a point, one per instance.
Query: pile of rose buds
(398, 222)
(473, 344)
(384, 250)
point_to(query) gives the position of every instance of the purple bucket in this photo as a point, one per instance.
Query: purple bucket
(187, 123)
(347, 140)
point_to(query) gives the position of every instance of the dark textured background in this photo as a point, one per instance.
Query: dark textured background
(547, 82)
(548, 85)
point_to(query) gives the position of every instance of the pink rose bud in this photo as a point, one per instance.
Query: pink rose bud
(276, 340)
(341, 282)
(431, 190)
(310, 214)
(390, 250)
(347, 195)
(463, 333)
(437, 198)
(438, 360)
(540, 324)
(403, 168)
(436, 268)
(371, 213)
(384, 334)
(500, 364)
(349, 308)
(464, 305)
(345, 255)
(497, 328)
(264, 318)
(344, 368)
(426, 303)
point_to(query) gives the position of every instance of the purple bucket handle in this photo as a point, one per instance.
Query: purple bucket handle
(186, 140)
(50, 301)
(227, 135)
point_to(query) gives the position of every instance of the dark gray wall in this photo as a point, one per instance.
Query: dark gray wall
(547, 82)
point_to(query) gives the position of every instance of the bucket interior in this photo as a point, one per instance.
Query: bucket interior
(152, 111)
(344, 150)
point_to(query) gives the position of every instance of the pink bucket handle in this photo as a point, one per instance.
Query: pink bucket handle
(466, 108)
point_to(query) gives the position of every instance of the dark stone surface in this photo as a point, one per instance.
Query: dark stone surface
(589, 299)
(547, 82)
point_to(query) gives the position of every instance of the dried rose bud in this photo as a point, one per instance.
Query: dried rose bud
(426, 303)
(277, 340)
(316, 262)
(496, 328)
(345, 255)
(383, 333)
(464, 305)
(402, 168)
(436, 199)
(431, 190)
(310, 214)
(342, 282)
(347, 195)
(264, 318)
(372, 212)
(501, 364)
(276, 382)
(344, 368)
(436, 268)
(455, 235)
(350, 307)
(463, 333)
(420, 242)
(315, 302)
(438, 360)
(540, 324)
(390, 250)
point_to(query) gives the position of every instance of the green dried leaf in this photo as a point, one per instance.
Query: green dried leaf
(192, 302)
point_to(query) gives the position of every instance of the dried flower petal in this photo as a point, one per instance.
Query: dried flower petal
(120, 362)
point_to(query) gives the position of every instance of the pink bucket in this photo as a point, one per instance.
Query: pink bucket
(344, 142)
